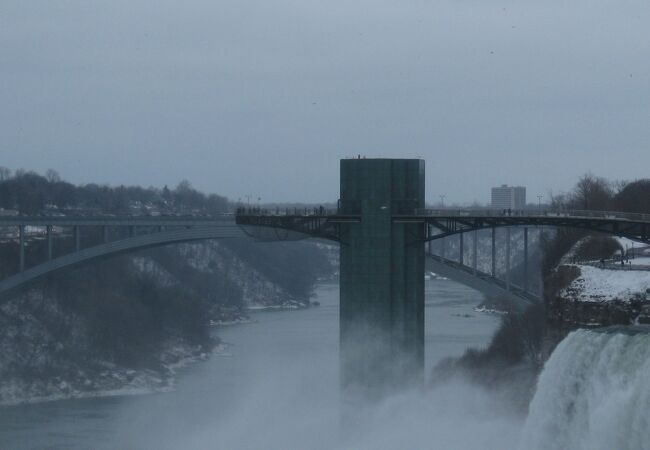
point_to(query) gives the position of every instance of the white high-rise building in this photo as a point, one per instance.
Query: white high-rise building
(508, 197)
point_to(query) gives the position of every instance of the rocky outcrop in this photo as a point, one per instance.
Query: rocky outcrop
(591, 296)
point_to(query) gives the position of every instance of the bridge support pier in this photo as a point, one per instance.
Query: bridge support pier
(507, 258)
(461, 248)
(525, 259)
(21, 242)
(494, 252)
(77, 238)
(382, 276)
(48, 231)
(475, 251)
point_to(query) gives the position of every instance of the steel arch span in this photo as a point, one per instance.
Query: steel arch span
(118, 247)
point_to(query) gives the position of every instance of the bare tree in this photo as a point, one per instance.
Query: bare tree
(5, 173)
(592, 192)
(52, 176)
(557, 201)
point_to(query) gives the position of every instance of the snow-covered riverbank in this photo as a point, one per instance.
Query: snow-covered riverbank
(594, 297)
(595, 284)
(106, 380)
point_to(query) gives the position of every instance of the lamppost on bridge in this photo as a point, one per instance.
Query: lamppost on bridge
(539, 202)
(442, 200)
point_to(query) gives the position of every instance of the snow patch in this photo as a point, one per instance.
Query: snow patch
(601, 285)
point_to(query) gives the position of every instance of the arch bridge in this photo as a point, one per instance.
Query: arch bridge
(439, 224)
(119, 235)
(382, 227)
(109, 236)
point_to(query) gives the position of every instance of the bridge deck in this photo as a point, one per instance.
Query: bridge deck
(113, 221)
(444, 222)
(321, 224)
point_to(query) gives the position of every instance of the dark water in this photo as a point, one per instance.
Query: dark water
(277, 389)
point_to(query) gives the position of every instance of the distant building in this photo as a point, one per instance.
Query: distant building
(509, 197)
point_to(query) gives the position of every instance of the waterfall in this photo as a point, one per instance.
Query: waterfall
(594, 393)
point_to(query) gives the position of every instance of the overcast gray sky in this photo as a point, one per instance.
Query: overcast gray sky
(264, 97)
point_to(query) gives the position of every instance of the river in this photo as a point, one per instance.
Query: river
(277, 387)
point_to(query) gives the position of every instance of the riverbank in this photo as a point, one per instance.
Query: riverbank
(97, 379)
(107, 380)
(279, 374)
(120, 326)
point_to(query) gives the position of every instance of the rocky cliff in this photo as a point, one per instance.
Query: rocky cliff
(125, 325)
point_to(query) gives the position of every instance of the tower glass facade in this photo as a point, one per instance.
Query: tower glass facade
(382, 268)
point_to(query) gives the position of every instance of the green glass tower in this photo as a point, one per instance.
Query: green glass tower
(382, 274)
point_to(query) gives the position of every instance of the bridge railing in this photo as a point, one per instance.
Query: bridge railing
(302, 212)
(450, 212)
(113, 220)
(38, 221)
(488, 212)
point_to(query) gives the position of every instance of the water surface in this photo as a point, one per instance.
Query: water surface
(278, 388)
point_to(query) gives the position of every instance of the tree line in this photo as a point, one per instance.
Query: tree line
(597, 194)
(30, 193)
